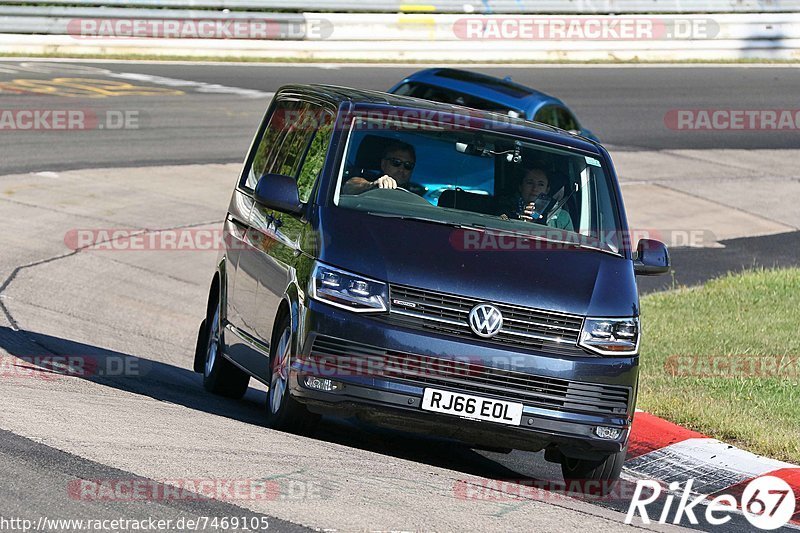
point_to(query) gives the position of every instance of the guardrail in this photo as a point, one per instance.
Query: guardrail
(86, 24)
(52, 20)
(399, 36)
(442, 6)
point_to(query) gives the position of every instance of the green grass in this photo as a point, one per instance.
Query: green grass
(750, 314)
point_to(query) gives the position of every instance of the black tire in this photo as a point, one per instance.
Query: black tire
(581, 474)
(283, 412)
(220, 376)
(200, 348)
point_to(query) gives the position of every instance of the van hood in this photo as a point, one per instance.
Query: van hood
(477, 264)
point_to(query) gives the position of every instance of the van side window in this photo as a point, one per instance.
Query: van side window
(300, 130)
(315, 158)
(271, 140)
(287, 138)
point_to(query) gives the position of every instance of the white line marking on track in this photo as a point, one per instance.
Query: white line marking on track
(199, 86)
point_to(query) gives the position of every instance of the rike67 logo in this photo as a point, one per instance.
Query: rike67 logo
(767, 502)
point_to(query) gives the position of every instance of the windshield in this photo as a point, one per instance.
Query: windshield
(478, 179)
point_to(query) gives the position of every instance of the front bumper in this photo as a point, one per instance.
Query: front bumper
(391, 394)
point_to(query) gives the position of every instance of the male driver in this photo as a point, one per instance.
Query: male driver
(397, 164)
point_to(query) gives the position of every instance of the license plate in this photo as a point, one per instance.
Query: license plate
(473, 407)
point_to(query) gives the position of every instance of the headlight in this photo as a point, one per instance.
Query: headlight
(347, 290)
(611, 336)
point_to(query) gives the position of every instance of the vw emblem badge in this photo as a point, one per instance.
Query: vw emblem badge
(485, 320)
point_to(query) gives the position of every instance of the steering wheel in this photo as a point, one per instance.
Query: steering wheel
(407, 194)
(404, 189)
(416, 188)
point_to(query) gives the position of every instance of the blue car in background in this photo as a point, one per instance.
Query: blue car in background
(479, 91)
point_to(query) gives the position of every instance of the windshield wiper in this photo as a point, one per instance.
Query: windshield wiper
(544, 238)
(418, 219)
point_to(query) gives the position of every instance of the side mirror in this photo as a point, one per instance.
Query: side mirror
(278, 192)
(652, 258)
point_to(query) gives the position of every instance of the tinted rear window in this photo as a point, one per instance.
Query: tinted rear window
(447, 96)
(487, 81)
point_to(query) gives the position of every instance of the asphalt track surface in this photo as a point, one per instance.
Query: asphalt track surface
(624, 106)
(38, 474)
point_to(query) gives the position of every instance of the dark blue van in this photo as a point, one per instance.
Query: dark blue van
(500, 310)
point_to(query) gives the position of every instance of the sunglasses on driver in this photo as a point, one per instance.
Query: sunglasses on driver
(408, 165)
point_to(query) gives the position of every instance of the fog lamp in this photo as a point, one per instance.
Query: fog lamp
(608, 433)
(323, 384)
